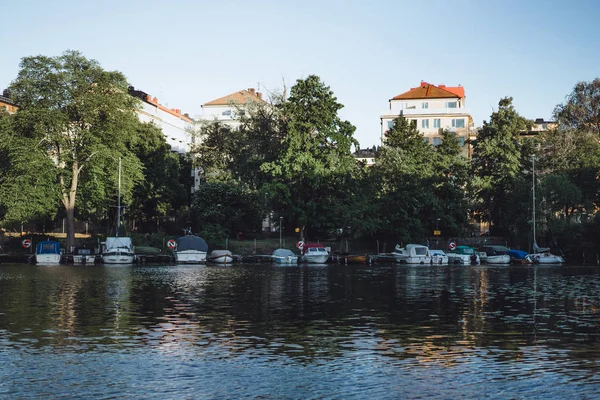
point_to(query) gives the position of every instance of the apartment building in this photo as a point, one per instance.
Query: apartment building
(7, 104)
(228, 109)
(433, 109)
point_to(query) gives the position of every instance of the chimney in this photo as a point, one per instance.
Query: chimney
(259, 95)
(251, 90)
(155, 100)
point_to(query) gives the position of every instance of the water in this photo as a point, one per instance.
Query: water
(265, 331)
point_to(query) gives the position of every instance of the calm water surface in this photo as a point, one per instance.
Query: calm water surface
(265, 331)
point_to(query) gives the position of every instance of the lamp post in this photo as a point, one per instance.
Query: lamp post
(280, 223)
(437, 228)
(437, 224)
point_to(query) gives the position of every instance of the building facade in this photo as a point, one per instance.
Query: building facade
(7, 104)
(433, 109)
(228, 109)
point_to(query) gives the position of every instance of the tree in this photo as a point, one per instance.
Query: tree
(496, 161)
(582, 108)
(314, 156)
(81, 117)
(226, 205)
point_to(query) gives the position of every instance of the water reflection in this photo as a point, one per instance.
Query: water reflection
(483, 324)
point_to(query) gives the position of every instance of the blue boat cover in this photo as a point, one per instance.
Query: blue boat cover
(47, 247)
(518, 254)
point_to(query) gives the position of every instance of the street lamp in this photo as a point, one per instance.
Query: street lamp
(280, 223)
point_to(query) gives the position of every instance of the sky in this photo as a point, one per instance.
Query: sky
(187, 53)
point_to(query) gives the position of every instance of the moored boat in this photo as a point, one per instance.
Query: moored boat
(48, 252)
(83, 255)
(463, 255)
(220, 257)
(118, 250)
(438, 257)
(190, 249)
(494, 255)
(413, 254)
(519, 257)
(284, 256)
(314, 253)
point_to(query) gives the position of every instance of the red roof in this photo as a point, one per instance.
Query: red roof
(429, 91)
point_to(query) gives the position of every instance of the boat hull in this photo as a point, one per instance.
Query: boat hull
(462, 259)
(288, 260)
(84, 259)
(47, 259)
(220, 257)
(546, 259)
(497, 260)
(118, 258)
(316, 258)
(190, 257)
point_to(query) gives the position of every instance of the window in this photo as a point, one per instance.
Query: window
(390, 125)
(425, 105)
(458, 123)
(437, 141)
(437, 123)
(461, 141)
(451, 104)
(226, 112)
(426, 140)
(425, 123)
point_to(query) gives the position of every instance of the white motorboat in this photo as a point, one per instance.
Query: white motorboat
(314, 253)
(284, 256)
(190, 249)
(48, 253)
(83, 255)
(118, 250)
(494, 255)
(438, 257)
(412, 254)
(220, 257)
(463, 255)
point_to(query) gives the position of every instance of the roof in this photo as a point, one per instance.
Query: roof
(241, 97)
(429, 91)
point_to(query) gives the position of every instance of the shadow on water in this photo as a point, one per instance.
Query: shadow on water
(525, 327)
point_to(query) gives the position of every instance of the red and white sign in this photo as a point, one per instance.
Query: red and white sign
(171, 244)
(26, 243)
(452, 246)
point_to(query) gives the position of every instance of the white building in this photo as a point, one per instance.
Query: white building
(176, 127)
(228, 109)
(433, 109)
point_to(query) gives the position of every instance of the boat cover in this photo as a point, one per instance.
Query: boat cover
(191, 242)
(118, 243)
(47, 247)
(283, 253)
(517, 254)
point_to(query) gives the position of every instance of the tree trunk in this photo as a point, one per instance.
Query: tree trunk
(69, 203)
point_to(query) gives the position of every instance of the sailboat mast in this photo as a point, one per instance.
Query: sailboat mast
(119, 201)
(533, 196)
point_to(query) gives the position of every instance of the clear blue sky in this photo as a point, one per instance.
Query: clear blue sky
(189, 52)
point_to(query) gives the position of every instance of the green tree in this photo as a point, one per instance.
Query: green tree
(161, 193)
(226, 205)
(81, 117)
(314, 156)
(582, 108)
(496, 162)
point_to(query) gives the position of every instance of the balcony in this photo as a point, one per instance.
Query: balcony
(429, 111)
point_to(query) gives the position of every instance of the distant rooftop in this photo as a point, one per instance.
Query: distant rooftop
(428, 91)
(241, 97)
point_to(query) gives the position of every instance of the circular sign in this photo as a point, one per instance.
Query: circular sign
(171, 244)
(300, 245)
(452, 246)
(26, 243)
